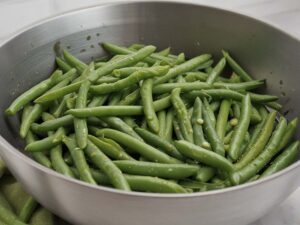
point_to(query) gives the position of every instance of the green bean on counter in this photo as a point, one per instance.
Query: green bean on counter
(154, 121)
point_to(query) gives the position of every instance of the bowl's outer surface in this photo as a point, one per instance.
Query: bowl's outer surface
(29, 58)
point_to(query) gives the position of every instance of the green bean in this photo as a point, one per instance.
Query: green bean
(223, 118)
(46, 143)
(59, 110)
(131, 98)
(286, 158)
(148, 108)
(9, 217)
(216, 71)
(230, 94)
(130, 80)
(289, 134)
(119, 124)
(236, 67)
(40, 157)
(107, 79)
(169, 126)
(215, 105)
(80, 125)
(107, 166)
(118, 110)
(167, 171)
(182, 115)
(209, 130)
(124, 61)
(263, 112)
(112, 151)
(73, 61)
(164, 52)
(185, 87)
(234, 78)
(27, 209)
(274, 105)
(68, 160)
(42, 216)
(88, 71)
(115, 98)
(197, 123)
(204, 156)
(162, 123)
(259, 144)
(143, 183)
(143, 149)
(65, 67)
(210, 112)
(55, 94)
(79, 160)
(228, 137)
(241, 129)
(98, 100)
(202, 186)
(205, 173)
(177, 130)
(244, 174)
(126, 71)
(159, 142)
(121, 50)
(52, 125)
(33, 93)
(130, 121)
(208, 69)
(183, 68)
(58, 162)
(180, 59)
(246, 86)
(136, 46)
(196, 76)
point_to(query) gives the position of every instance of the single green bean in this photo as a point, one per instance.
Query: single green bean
(73, 61)
(236, 67)
(33, 93)
(230, 94)
(159, 142)
(107, 79)
(209, 130)
(216, 71)
(148, 108)
(131, 98)
(241, 129)
(79, 160)
(197, 123)
(204, 156)
(289, 134)
(168, 134)
(80, 125)
(215, 105)
(185, 87)
(286, 158)
(183, 68)
(27, 209)
(107, 166)
(167, 171)
(119, 124)
(205, 173)
(162, 123)
(118, 110)
(64, 66)
(246, 86)
(112, 151)
(202, 186)
(274, 105)
(40, 157)
(223, 118)
(182, 115)
(143, 149)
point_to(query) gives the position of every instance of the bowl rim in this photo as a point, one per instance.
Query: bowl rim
(7, 146)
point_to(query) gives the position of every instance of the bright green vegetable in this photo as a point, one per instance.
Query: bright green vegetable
(204, 156)
(223, 118)
(106, 165)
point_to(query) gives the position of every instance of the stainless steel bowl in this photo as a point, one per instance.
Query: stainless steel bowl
(265, 51)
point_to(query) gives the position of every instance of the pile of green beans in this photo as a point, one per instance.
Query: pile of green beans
(16, 206)
(152, 121)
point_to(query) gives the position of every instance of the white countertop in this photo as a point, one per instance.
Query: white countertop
(16, 14)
